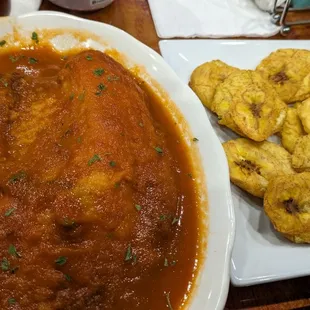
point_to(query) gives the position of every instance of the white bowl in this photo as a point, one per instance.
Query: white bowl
(213, 281)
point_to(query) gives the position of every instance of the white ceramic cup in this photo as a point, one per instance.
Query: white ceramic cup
(82, 5)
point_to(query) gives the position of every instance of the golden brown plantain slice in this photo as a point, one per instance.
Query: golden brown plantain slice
(303, 111)
(248, 104)
(287, 204)
(301, 154)
(253, 164)
(292, 130)
(207, 77)
(304, 90)
(286, 69)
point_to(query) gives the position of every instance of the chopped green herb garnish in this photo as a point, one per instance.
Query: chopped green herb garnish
(168, 300)
(94, 159)
(32, 60)
(12, 250)
(134, 258)
(162, 217)
(68, 222)
(13, 58)
(2, 42)
(112, 163)
(190, 175)
(141, 124)
(67, 277)
(138, 207)
(5, 264)
(117, 184)
(4, 82)
(113, 78)
(166, 264)
(79, 140)
(89, 58)
(8, 212)
(71, 97)
(35, 37)
(173, 263)
(11, 301)
(195, 139)
(175, 220)
(100, 87)
(14, 269)
(17, 176)
(110, 235)
(61, 260)
(128, 255)
(158, 150)
(98, 71)
(82, 96)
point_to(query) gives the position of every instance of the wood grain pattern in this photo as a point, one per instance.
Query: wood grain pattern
(134, 17)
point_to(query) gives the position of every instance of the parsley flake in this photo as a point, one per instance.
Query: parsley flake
(190, 175)
(71, 97)
(94, 159)
(60, 261)
(8, 212)
(67, 277)
(117, 184)
(168, 300)
(79, 140)
(175, 220)
(12, 250)
(2, 43)
(4, 82)
(100, 87)
(32, 60)
(112, 163)
(17, 176)
(5, 264)
(35, 37)
(166, 264)
(11, 301)
(67, 222)
(98, 71)
(89, 58)
(113, 78)
(134, 258)
(13, 58)
(195, 139)
(14, 269)
(138, 207)
(128, 255)
(162, 217)
(158, 150)
(82, 96)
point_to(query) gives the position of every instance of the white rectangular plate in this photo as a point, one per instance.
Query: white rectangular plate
(259, 254)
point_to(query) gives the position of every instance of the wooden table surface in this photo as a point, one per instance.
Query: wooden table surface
(134, 17)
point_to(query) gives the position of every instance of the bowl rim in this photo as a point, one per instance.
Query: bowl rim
(213, 281)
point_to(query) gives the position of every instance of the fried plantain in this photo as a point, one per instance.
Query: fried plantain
(248, 104)
(287, 204)
(207, 77)
(287, 70)
(292, 130)
(304, 90)
(301, 154)
(253, 164)
(303, 111)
